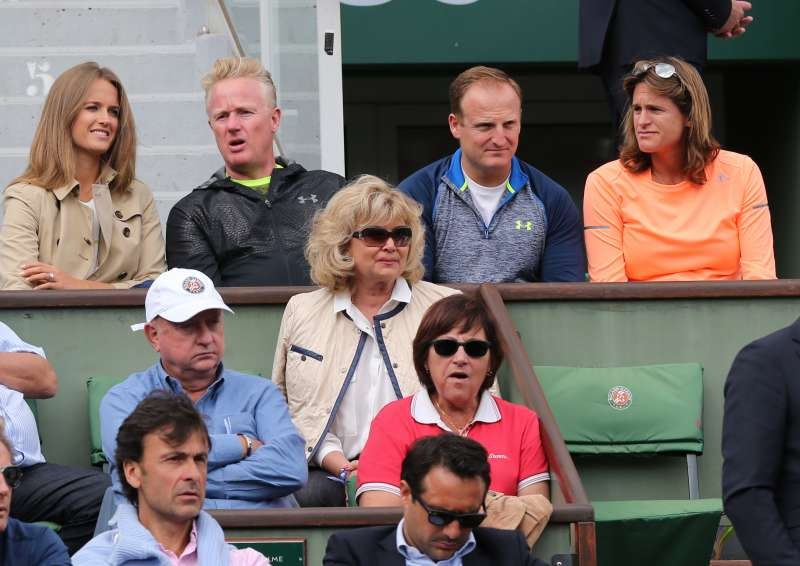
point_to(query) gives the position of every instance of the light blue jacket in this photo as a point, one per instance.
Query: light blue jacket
(131, 543)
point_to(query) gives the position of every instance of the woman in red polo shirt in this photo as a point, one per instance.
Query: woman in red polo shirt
(456, 355)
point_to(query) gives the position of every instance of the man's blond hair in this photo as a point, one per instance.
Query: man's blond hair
(240, 68)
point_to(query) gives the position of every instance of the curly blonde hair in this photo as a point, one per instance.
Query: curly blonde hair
(367, 201)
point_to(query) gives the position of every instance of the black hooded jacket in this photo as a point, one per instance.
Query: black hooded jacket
(238, 238)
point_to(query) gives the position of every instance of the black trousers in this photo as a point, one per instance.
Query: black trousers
(61, 494)
(320, 491)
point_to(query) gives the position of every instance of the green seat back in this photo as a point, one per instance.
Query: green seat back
(652, 409)
(97, 387)
(655, 409)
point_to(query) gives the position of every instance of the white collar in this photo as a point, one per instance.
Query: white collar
(401, 293)
(424, 412)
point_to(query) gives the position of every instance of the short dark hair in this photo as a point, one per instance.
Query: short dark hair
(458, 454)
(464, 312)
(474, 75)
(173, 415)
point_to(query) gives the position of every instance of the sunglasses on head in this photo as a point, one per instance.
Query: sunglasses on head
(375, 236)
(663, 70)
(446, 347)
(12, 475)
(441, 518)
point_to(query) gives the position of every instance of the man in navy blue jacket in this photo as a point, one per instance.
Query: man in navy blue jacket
(23, 543)
(444, 481)
(761, 448)
(614, 34)
(490, 217)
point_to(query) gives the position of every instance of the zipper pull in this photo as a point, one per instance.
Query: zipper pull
(269, 204)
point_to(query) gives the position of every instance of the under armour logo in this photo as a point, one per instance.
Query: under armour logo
(528, 225)
(312, 198)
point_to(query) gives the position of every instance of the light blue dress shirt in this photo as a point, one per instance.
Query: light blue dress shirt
(415, 558)
(235, 403)
(20, 423)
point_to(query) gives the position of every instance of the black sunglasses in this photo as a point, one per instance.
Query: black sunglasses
(12, 475)
(446, 347)
(440, 518)
(375, 236)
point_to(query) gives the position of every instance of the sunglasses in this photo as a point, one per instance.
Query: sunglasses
(375, 236)
(663, 70)
(440, 518)
(447, 347)
(12, 475)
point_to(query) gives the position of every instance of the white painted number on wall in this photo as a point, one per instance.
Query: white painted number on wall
(38, 73)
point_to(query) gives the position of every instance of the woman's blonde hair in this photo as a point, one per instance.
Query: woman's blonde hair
(367, 201)
(686, 89)
(52, 159)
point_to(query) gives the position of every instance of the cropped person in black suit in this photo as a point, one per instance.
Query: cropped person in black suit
(761, 448)
(614, 34)
(444, 483)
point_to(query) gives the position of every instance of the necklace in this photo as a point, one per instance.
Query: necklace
(461, 431)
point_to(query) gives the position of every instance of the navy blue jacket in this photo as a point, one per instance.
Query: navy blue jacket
(761, 448)
(377, 546)
(24, 544)
(625, 31)
(534, 235)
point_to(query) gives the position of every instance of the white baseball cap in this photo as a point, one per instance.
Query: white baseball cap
(179, 294)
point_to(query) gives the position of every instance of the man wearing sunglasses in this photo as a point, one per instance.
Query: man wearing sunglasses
(489, 216)
(445, 479)
(22, 544)
(67, 495)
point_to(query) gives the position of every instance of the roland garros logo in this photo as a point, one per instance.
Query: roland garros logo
(193, 285)
(620, 397)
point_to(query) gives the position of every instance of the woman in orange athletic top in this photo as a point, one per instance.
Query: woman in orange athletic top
(674, 206)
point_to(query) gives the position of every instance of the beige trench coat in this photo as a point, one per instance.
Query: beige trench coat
(54, 227)
(317, 347)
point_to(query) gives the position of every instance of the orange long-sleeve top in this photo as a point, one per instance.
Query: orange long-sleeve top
(639, 230)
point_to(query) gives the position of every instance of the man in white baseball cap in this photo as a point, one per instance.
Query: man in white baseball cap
(257, 457)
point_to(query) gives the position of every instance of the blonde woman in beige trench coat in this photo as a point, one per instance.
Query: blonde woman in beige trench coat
(77, 218)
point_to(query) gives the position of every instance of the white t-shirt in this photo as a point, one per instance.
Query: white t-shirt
(486, 199)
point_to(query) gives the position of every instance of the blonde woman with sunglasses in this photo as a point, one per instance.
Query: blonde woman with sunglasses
(674, 206)
(344, 351)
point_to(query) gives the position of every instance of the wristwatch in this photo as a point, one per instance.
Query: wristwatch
(249, 442)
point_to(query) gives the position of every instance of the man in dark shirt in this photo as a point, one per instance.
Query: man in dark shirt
(22, 544)
(248, 224)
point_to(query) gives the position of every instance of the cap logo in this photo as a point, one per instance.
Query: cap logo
(620, 397)
(193, 285)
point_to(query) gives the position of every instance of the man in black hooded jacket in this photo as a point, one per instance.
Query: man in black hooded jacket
(248, 224)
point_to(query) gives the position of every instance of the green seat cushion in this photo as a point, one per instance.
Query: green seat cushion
(627, 410)
(632, 533)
